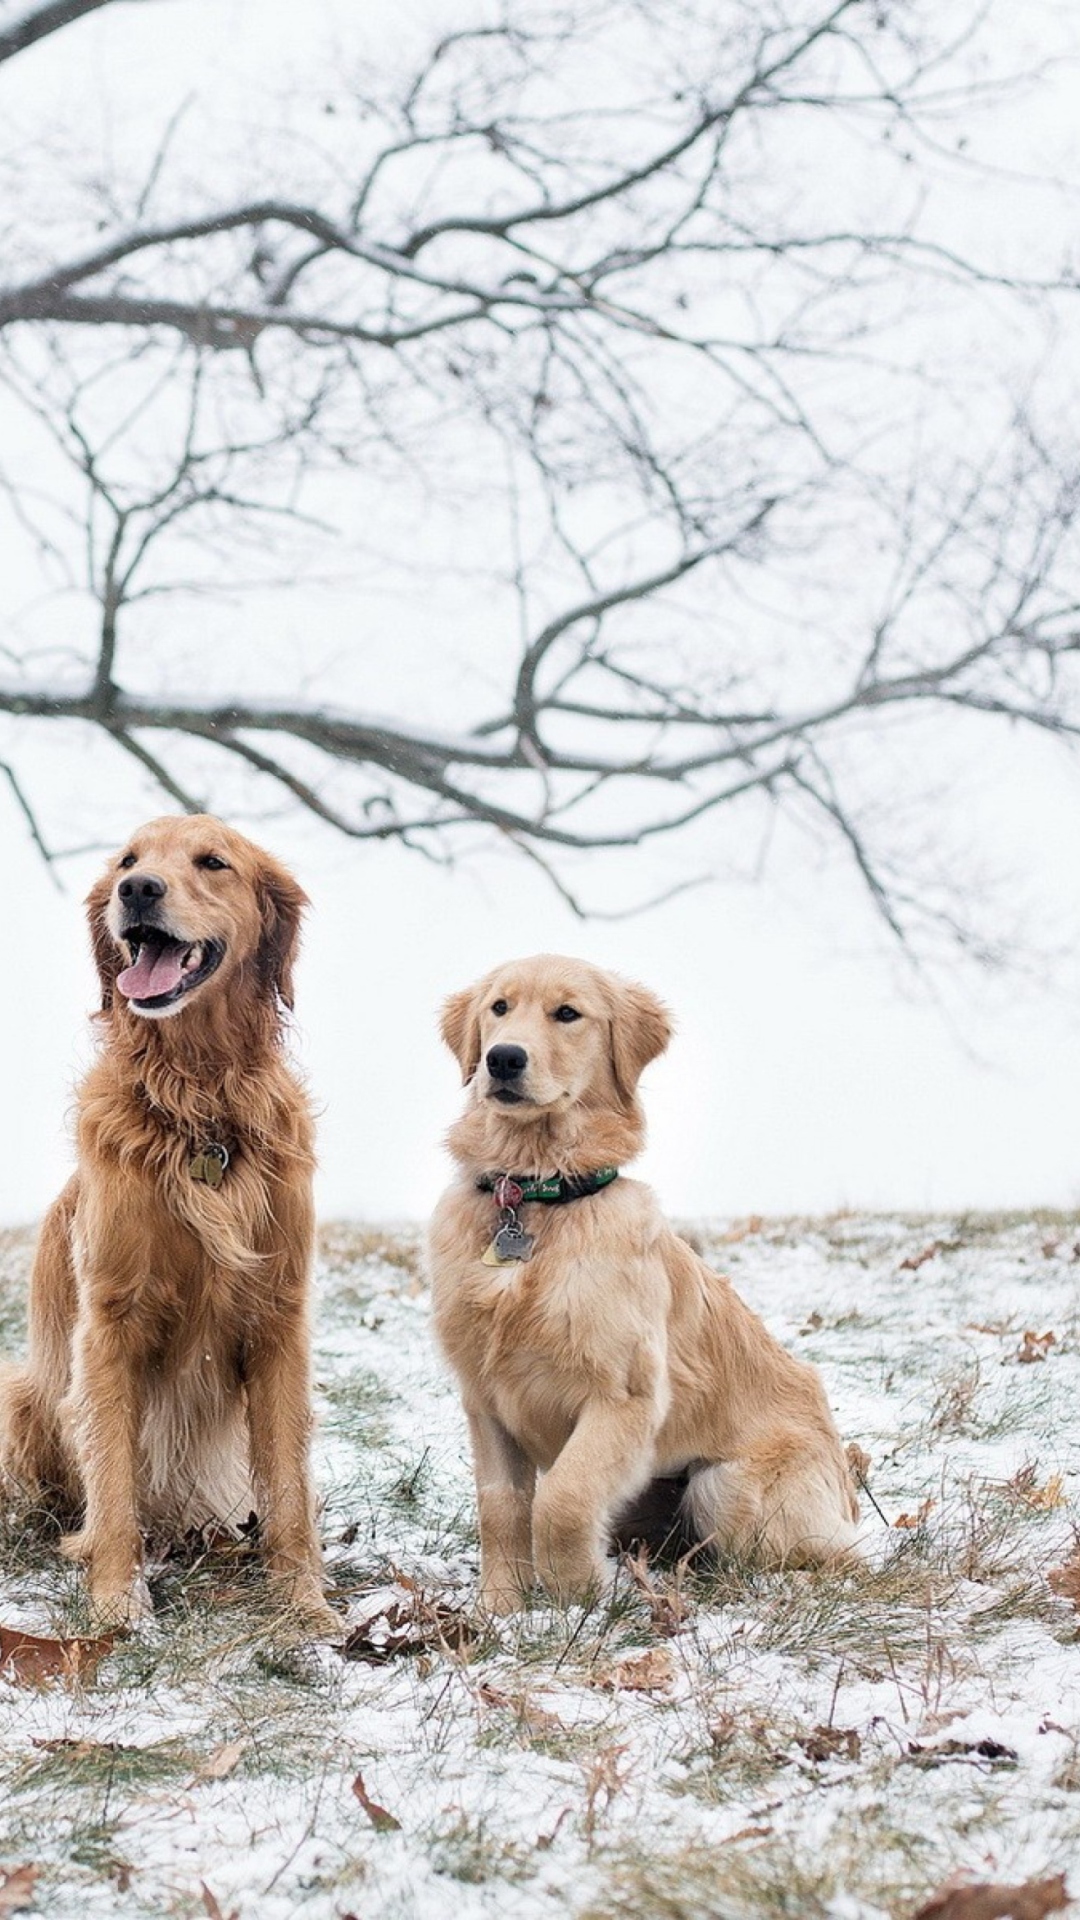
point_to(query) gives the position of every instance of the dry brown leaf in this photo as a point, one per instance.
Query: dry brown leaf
(651, 1672)
(1065, 1581)
(605, 1776)
(213, 1905)
(221, 1762)
(1034, 1346)
(962, 1899)
(1024, 1486)
(537, 1719)
(830, 1743)
(944, 1750)
(31, 1661)
(859, 1461)
(916, 1260)
(381, 1819)
(918, 1518)
(668, 1609)
(82, 1749)
(747, 1833)
(722, 1730)
(17, 1888)
(401, 1620)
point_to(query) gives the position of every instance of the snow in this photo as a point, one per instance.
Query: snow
(523, 1786)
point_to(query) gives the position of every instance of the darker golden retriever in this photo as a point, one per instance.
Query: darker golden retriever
(593, 1347)
(167, 1382)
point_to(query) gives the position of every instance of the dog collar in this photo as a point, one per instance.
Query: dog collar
(512, 1189)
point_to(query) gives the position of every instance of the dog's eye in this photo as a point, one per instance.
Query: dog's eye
(211, 862)
(499, 1006)
(128, 860)
(566, 1014)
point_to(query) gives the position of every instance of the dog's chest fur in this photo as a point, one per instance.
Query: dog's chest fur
(532, 1341)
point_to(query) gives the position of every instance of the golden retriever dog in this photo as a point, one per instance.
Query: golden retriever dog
(596, 1353)
(167, 1382)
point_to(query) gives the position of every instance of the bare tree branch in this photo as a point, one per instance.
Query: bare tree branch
(42, 21)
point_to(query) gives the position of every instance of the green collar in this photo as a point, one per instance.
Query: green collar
(512, 1189)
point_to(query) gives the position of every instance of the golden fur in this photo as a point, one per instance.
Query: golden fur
(615, 1355)
(167, 1382)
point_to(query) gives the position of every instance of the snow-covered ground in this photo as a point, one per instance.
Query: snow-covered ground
(732, 1744)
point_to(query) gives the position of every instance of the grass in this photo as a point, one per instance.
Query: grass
(793, 1756)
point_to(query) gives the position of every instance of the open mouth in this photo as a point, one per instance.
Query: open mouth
(163, 968)
(508, 1098)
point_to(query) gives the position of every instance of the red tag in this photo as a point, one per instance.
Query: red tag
(507, 1192)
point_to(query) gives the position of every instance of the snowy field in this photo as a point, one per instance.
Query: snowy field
(707, 1742)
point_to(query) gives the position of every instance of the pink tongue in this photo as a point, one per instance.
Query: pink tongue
(157, 970)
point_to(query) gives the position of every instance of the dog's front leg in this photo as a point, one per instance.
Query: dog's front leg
(505, 1481)
(276, 1370)
(606, 1460)
(105, 1405)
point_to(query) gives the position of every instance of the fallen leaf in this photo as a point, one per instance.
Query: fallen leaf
(963, 1899)
(82, 1749)
(651, 1672)
(213, 1905)
(859, 1461)
(17, 1888)
(746, 1833)
(221, 1762)
(943, 1750)
(537, 1719)
(401, 1620)
(1065, 1581)
(916, 1260)
(381, 1820)
(544, 1841)
(1034, 1346)
(30, 1660)
(668, 1610)
(605, 1775)
(830, 1743)
(1024, 1487)
(918, 1518)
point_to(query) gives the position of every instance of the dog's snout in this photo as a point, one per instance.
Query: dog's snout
(506, 1063)
(141, 889)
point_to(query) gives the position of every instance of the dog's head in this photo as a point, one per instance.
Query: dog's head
(187, 901)
(548, 1034)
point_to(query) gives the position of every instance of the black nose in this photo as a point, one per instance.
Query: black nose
(505, 1063)
(141, 889)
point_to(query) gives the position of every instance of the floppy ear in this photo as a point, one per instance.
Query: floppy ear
(107, 958)
(281, 908)
(640, 1029)
(460, 1028)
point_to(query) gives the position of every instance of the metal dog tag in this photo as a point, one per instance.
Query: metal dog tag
(209, 1165)
(512, 1243)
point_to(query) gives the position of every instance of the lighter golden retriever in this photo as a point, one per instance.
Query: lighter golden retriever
(167, 1383)
(611, 1355)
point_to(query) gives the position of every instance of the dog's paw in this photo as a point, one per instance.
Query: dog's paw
(574, 1578)
(120, 1610)
(500, 1597)
(309, 1611)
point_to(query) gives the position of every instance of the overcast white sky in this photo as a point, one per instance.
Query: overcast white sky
(809, 1071)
